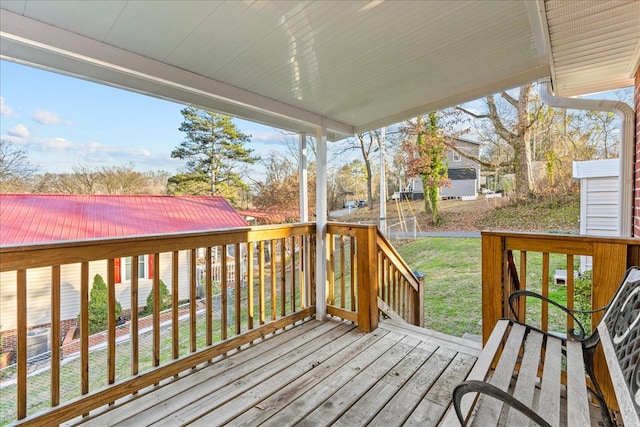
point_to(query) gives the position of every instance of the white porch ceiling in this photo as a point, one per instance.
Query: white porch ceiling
(352, 65)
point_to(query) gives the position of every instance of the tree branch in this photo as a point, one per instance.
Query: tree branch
(472, 114)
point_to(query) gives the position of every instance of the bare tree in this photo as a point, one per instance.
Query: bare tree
(514, 128)
(14, 163)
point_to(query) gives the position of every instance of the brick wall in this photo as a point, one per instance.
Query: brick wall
(636, 191)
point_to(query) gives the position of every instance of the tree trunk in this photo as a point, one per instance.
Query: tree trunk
(525, 184)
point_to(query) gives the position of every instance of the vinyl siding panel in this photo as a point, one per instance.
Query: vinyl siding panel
(39, 290)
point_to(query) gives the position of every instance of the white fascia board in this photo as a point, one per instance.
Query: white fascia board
(596, 168)
(31, 42)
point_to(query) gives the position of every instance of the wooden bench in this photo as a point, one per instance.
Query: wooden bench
(524, 374)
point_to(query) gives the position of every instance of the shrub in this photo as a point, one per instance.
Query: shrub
(582, 298)
(165, 299)
(98, 306)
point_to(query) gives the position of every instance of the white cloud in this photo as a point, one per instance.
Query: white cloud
(48, 118)
(5, 110)
(20, 131)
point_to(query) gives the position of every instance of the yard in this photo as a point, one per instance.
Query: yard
(453, 279)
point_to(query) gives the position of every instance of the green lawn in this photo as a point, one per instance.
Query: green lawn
(453, 276)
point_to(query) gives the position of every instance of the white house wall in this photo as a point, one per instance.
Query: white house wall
(598, 210)
(599, 206)
(460, 188)
(39, 290)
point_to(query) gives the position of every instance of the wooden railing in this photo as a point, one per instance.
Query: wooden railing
(530, 261)
(367, 276)
(273, 288)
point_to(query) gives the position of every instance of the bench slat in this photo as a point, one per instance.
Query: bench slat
(526, 383)
(549, 403)
(490, 408)
(482, 366)
(577, 397)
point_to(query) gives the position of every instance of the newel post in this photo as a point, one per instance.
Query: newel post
(492, 282)
(367, 277)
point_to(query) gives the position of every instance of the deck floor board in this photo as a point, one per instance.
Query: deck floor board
(314, 374)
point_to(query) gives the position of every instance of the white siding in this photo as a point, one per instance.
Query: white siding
(39, 290)
(460, 188)
(598, 210)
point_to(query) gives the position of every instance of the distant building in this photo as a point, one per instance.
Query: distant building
(464, 174)
(45, 218)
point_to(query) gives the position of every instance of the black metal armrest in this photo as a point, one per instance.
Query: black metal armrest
(475, 386)
(578, 336)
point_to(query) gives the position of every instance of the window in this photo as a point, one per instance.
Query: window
(123, 268)
(456, 156)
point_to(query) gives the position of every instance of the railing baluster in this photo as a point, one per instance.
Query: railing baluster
(522, 307)
(303, 259)
(192, 300)
(292, 259)
(261, 282)
(21, 319)
(342, 271)
(570, 290)
(133, 326)
(283, 277)
(223, 292)
(111, 322)
(55, 335)
(84, 326)
(208, 280)
(175, 308)
(238, 290)
(274, 278)
(544, 318)
(331, 269)
(250, 304)
(352, 263)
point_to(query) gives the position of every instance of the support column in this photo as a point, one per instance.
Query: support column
(304, 217)
(321, 222)
(383, 186)
(304, 187)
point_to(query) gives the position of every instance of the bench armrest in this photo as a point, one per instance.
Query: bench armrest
(580, 335)
(475, 386)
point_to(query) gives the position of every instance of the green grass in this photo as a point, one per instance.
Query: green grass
(560, 213)
(453, 283)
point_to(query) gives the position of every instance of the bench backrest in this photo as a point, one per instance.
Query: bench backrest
(619, 333)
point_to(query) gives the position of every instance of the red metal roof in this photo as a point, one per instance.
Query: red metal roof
(39, 218)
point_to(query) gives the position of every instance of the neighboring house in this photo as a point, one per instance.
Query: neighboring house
(464, 174)
(43, 218)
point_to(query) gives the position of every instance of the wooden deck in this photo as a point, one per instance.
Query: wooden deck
(315, 373)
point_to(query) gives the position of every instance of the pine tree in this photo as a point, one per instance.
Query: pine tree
(98, 306)
(214, 149)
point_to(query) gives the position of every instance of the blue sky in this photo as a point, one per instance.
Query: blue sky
(62, 122)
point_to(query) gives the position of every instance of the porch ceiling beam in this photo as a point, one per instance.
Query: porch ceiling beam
(37, 44)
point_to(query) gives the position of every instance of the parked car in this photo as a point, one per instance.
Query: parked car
(350, 204)
(395, 196)
(361, 203)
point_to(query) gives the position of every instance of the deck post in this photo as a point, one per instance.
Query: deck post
(367, 278)
(321, 221)
(492, 282)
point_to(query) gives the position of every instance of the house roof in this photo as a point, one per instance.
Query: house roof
(40, 218)
(350, 65)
